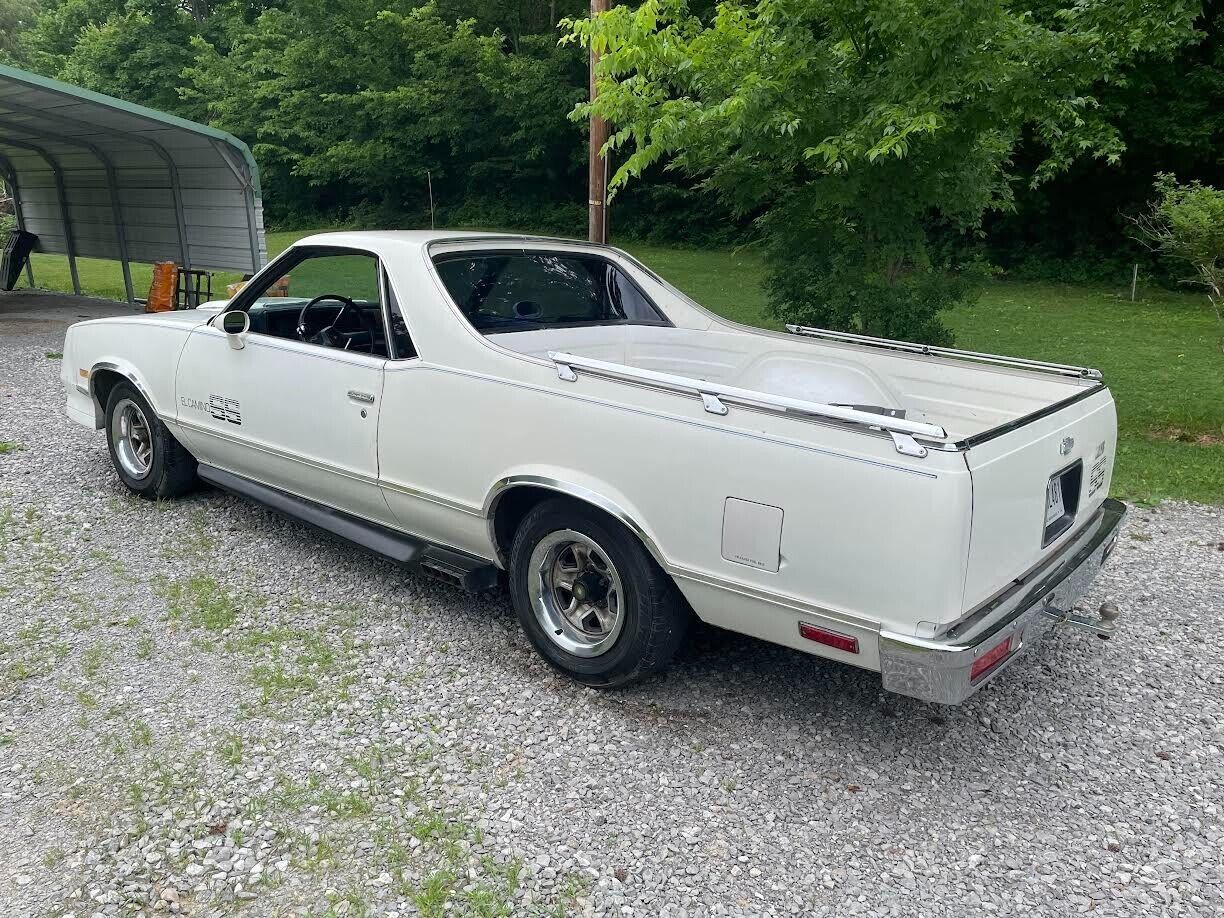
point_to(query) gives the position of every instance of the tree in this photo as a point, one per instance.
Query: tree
(851, 132)
(356, 103)
(16, 16)
(134, 49)
(1186, 224)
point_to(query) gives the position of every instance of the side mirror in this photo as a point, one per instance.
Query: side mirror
(235, 324)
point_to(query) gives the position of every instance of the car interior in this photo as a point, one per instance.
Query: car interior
(330, 299)
(523, 291)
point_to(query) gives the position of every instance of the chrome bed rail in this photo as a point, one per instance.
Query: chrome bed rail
(926, 350)
(716, 396)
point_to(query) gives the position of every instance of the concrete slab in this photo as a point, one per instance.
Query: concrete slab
(33, 312)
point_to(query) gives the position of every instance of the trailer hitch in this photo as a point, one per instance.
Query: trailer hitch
(1103, 626)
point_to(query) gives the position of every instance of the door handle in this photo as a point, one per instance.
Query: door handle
(365, 398)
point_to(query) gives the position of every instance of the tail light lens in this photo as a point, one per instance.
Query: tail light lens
(990, 659)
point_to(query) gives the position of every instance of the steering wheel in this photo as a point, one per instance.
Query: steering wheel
(327, 336)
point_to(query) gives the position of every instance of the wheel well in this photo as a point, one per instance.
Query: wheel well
(102, 382)
(514, 505)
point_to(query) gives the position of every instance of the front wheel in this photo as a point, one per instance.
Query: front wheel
(145, 454)
(590, 598)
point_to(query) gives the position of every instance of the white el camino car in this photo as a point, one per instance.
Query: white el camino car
(554, 413)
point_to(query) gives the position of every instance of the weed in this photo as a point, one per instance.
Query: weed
(92, 661)
(231, 750)
(141, 734)
(202, 603)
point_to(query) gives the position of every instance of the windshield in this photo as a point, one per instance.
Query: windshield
(528, 290)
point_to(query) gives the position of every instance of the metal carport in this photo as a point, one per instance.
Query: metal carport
(94, 176)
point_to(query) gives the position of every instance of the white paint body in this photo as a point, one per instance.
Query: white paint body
(864, 538)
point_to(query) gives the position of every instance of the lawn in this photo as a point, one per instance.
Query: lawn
(1159, 354)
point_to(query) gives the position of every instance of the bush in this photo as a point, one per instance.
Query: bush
(1186, 224)
(823, 273)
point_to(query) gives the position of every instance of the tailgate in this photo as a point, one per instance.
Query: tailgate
(1019, 517)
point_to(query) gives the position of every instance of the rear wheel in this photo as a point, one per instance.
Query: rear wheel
(148, 459)
(590, 598)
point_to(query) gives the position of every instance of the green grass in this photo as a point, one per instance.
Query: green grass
(1159, 355)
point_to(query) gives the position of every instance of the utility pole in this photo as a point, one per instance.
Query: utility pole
(597, 198)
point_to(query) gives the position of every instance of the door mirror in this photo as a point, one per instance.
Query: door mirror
(235, 324)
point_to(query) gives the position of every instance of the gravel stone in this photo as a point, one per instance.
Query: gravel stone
(206, 709)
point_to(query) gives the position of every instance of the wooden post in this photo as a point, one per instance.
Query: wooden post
(597, 174)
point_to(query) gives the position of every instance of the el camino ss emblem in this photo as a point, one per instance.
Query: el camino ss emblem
(1066, 446)
(217, 407)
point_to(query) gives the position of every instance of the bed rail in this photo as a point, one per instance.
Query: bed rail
(1038, 366)
(715, 397)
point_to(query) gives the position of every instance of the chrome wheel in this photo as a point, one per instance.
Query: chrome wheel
(132, 437)
(576, 593)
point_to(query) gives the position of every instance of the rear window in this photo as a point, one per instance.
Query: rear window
(522, 291)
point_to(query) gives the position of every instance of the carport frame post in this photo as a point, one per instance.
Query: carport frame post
(10, 178)
(69, 240)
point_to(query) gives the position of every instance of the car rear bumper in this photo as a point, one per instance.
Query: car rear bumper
(941, 669)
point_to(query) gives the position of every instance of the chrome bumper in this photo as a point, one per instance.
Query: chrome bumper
(939, 669)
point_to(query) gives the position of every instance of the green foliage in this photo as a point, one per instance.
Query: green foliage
(369, 101)
(135, 49)
(904, 113)
(853, 131)
(1186, 224)
(824, 274)
(16, 16)
(1169, 112)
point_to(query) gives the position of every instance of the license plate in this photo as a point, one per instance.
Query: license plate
(1054, 501)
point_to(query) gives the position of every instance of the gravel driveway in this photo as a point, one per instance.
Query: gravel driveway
(207, 709)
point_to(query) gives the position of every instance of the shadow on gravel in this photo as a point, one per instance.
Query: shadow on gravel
(720, 682)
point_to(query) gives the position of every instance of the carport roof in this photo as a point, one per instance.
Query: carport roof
(95, 176)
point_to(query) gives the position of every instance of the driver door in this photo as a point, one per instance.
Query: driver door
(296, 406)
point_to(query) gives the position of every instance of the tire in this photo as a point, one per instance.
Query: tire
(637, 618)
(145, 454)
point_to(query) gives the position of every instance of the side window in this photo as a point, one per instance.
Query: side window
(628, 300)
(328, 298)
(399, 328)
(511, 292)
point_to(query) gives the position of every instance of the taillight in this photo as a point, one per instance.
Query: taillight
(831, 638)
(990, 659)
